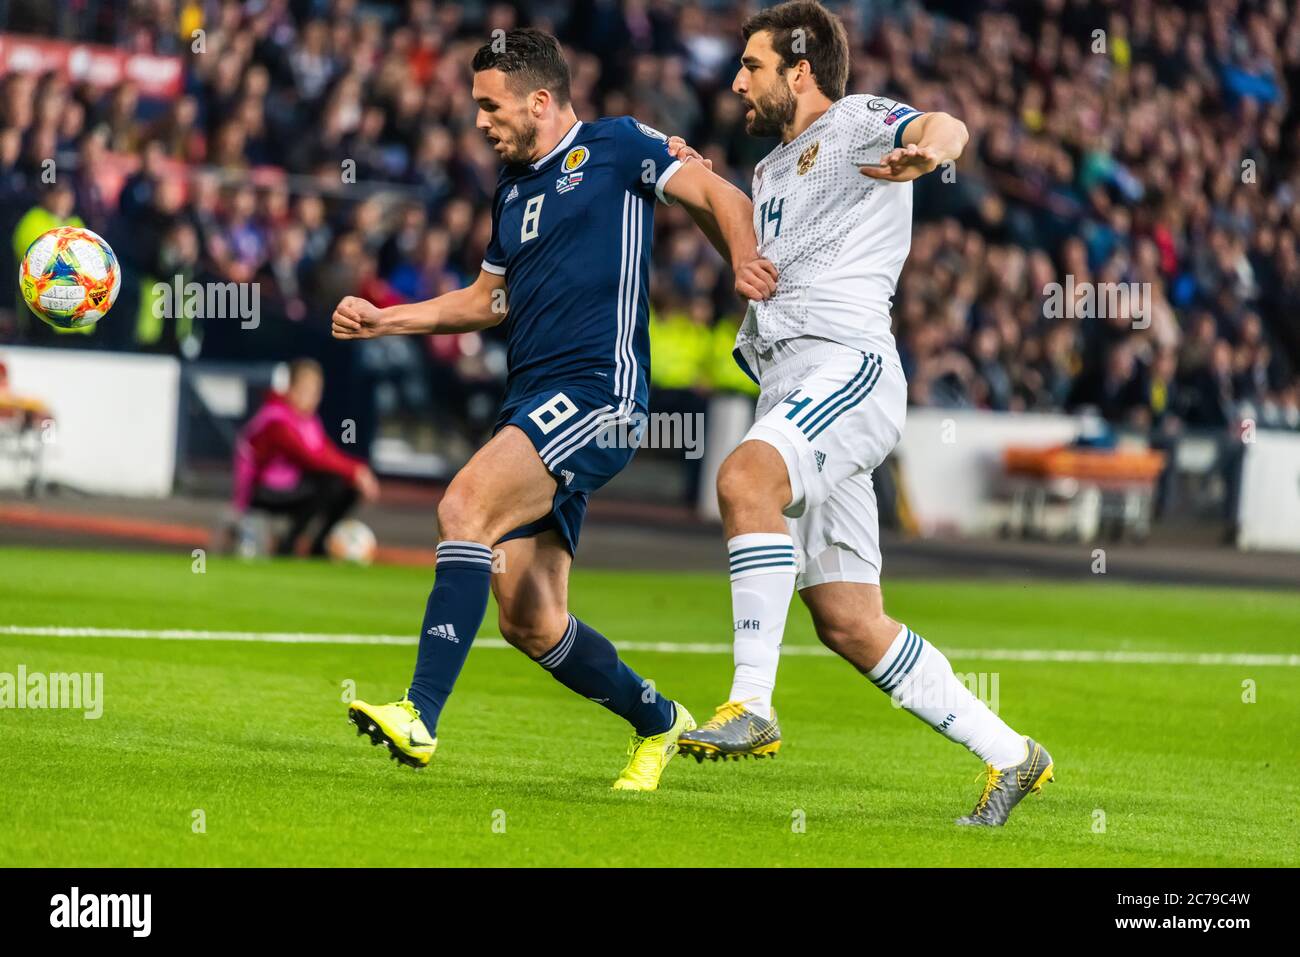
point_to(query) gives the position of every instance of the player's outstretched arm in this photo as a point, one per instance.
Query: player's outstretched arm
(477, 306)
(726, 216)
(929, 141)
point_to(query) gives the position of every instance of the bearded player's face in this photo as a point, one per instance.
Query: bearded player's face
(762, 83)
(504, 117)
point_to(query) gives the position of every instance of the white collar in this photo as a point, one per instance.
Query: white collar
(568, 138)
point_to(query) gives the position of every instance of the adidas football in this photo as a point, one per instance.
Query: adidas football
(70, 277)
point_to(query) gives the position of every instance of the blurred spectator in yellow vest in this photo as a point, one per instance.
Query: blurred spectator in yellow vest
(679, 354)
(54, 209)
(679, 348)
(723, 373)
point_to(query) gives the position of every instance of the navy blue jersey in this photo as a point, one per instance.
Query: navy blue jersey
(571, 234)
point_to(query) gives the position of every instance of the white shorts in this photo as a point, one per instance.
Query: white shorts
(834, 413)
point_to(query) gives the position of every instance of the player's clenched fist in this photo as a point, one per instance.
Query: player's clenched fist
(756, 280)
(355, 319)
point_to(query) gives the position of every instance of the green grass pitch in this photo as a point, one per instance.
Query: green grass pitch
(1157, 764)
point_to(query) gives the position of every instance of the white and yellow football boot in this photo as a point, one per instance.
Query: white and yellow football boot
(397, 725)
(648, 756)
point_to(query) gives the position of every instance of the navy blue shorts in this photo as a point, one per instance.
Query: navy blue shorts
(584, 436)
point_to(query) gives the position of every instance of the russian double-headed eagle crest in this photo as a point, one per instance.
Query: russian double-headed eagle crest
(807, 158)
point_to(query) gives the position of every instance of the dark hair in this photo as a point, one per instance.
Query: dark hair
(823, 42)
(531, 59)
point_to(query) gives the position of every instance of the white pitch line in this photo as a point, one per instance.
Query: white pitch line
(666, 647)
(185, 634)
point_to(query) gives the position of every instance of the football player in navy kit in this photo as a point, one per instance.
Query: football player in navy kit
(567, 269)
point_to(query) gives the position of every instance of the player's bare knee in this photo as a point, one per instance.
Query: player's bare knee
(730, 487)
(841, 637)
(460, 517)
(862, 641)
(534, 636)
(749, 478)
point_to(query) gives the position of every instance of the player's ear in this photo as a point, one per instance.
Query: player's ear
(802, 76)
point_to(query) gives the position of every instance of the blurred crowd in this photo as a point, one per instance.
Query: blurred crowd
(327, 147)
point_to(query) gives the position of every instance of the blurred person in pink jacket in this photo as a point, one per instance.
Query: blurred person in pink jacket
(286, 464)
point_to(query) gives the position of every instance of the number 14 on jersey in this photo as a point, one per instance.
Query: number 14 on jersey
(770, 212)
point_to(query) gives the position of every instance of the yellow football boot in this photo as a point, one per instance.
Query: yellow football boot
(648, 756)
(397, 725)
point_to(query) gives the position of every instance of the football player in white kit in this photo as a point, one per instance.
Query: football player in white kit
(832, 212)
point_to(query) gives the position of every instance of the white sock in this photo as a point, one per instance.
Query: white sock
(919, 678)
(762, 583)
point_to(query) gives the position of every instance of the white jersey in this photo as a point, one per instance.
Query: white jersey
(837, 238)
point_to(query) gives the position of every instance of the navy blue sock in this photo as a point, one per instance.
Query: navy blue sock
(451, 620)
(586, 662)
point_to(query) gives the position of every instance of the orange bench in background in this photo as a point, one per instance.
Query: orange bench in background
(1094, 484)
